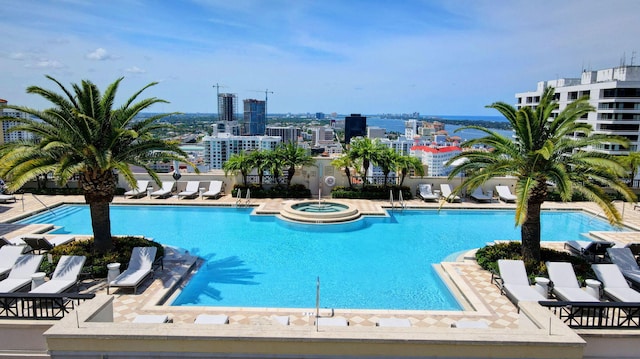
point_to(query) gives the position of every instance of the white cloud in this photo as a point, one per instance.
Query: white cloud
(135, 70)
(99, 54)
(17, 56)
(46, 64)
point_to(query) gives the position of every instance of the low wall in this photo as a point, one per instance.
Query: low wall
(543, 337)
(23, 338)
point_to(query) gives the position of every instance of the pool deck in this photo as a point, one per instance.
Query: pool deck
(484, 301)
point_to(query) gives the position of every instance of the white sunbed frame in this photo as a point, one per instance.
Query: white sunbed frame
(504, 193)
(64, 276)
(165, 191)
(20, 275)
(565, 283)
(140, 190)
(445, 190)
(140, 267)
(514, 282)
(615, 285)
(191, 191)
(215, 189)
(425, 191)
(479, 196)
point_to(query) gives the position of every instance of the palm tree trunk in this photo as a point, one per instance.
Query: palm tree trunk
(101, 224)
(530, 230)
(99, 190)
(347, 172)
(530, 233)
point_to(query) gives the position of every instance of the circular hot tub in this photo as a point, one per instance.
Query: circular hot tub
(321, 212)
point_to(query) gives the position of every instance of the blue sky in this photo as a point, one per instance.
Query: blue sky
(448, 57)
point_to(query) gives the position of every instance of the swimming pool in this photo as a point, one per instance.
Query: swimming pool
(374, 263)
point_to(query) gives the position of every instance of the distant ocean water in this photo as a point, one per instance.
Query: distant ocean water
(397, 125)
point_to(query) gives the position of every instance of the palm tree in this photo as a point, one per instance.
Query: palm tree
(363, 148)
(631, 162)
(407, 163)
(292, 156)
(345, 162)
(274, 162)
(83, 135)
(258, 161)
(238, 163)
(387, 159)
(544, 151)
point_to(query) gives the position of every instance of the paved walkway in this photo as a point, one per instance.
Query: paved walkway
(483, 300)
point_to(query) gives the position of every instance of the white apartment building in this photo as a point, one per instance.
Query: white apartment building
(615, 94)
(218, 149)
(435, 158)
(5, 135)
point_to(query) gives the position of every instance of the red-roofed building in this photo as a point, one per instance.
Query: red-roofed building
(435, 158)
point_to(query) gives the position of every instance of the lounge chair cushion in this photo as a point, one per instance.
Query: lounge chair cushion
(65, 275)
(8, 256)
(615, 286)
(20, 275)
(565, 283)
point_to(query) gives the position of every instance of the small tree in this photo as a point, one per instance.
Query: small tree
(407, 163)
(238, 163)
(292, 156)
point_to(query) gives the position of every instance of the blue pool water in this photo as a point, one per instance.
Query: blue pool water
(374, 263)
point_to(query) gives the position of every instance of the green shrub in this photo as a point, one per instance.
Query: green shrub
(487, 257)
(294, 191)
(371, 192)
(97, 265)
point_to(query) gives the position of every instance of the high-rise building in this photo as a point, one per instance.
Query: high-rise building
(227, 106)
(354, 126)
(615, 94)
(255, 119)
(376, 132)
(5, 134)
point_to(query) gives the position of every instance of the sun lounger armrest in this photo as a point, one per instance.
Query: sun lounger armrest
(158, 262)
(498, 281)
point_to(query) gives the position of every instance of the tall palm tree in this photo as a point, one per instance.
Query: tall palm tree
(275, 163)
(83, 134)
(293, 156)
(366, 150)
(238, 163)
(407, 163)
(258, 161)
(387, 159)
(345, 162)
(544, 151)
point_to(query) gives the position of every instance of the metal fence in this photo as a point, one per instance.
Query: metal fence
(596, 315)
(39, 306)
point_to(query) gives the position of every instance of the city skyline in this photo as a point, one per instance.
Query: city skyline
(432, 57)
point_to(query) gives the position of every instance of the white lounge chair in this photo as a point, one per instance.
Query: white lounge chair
(589, 249)
(565, 283)
(393, 322)
(515, 282)
(504, 193)
(165, 191)
(626, 262)
(446, 191)
(212, 319)
(425, 192)
(64, 277)
(215, 190)
(42, 243)
(139, 191)
(20, 275)
(191, 191)
(8, 256)
(478, 196)
(140, 267)
(615, 285)
(4, 198)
